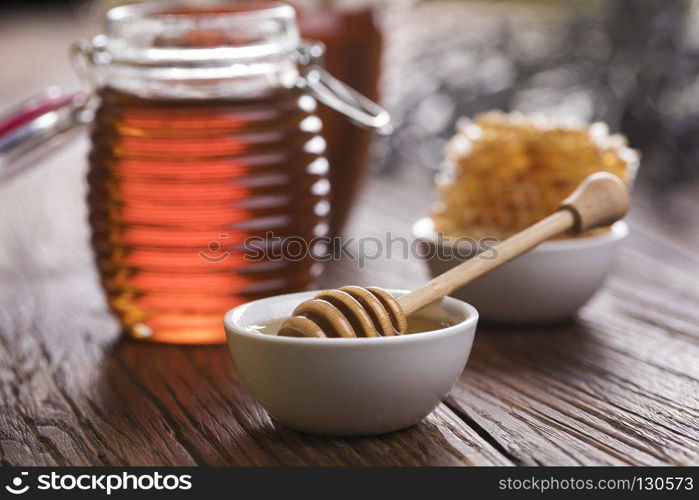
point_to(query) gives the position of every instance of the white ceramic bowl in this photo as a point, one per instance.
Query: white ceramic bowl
(547, 285)
(349, 387)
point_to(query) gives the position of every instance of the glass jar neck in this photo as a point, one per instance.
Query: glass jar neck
(184, 50)
(208, 49)
(215, 50)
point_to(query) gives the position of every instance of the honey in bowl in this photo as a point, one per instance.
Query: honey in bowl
(417, 323)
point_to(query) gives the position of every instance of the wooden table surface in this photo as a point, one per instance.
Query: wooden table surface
(620, 385)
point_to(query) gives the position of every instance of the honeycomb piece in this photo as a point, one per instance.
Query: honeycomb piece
(504, 172)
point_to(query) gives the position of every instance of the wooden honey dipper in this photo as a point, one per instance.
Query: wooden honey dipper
(353, 311)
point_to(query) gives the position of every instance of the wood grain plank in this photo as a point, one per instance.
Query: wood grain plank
(74, 394)
(615, 387)
(62, 347)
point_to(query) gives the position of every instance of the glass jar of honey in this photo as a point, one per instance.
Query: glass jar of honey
(204, 134)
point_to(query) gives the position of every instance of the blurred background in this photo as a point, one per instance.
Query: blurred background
(631, 63)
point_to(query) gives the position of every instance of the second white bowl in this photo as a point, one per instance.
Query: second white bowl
(546, 285)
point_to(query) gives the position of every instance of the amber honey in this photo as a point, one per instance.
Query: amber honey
(416, 324)
(176, 187)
